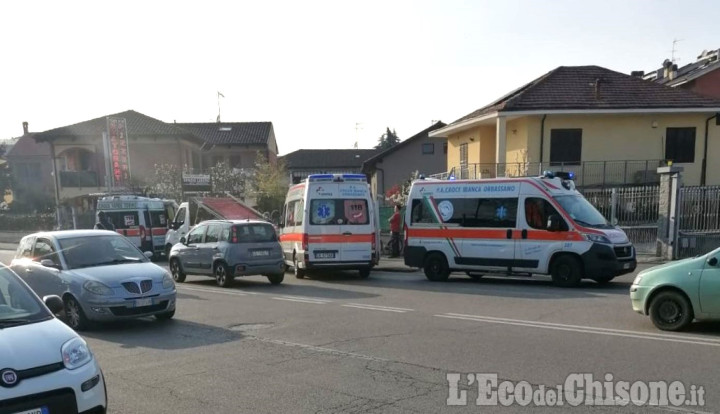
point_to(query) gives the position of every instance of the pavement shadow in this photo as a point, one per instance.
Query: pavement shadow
(535, 287)
(261, 285)
(169, 335)
(706, 328)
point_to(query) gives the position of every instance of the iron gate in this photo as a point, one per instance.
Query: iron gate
(698, 216)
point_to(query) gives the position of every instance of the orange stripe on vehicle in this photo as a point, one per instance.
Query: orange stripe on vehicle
(497, 234)
(129, 232)
(340, 238)
(291, 237)
(159, 232)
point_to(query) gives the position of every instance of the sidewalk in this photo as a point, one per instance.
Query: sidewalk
(394, 264)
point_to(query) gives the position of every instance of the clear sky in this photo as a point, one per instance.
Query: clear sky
(316, 69)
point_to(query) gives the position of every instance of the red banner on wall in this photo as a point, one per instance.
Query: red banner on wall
(119, 152)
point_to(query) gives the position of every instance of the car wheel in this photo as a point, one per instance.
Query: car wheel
(299, 273)
(602, 280)
(176, 270)
(364, 272)
(223, 277)
(74, 315)
(566, 271)
(436, 267)
(276, 279)
(670, 311)
(165, 316)
(474, 276)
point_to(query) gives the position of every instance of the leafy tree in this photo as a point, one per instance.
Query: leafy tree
(387, 140)
(269, 184)
(399, 193)
(167, 182)
(229, 180)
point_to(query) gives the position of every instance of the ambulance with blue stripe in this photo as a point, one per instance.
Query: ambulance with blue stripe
(329, 221)
(512, 226)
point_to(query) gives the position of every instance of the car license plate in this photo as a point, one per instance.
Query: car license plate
(626, 265)
(324, 255)
(257, 253)
(41, 410)
(143, 302)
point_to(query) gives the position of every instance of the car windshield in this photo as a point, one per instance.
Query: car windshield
(102, 250)
(582, 212)
(18, 305)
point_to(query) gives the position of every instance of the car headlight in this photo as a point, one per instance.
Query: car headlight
(97, 288)
(597, 238)
(637, 280)
(168, 282)
(75, 353)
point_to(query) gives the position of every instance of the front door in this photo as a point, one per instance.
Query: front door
(710, 286)
(189, 255)
(209, 248)
(45, 280)
(534, 241)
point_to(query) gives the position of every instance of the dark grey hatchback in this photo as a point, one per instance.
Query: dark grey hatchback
(225, 249)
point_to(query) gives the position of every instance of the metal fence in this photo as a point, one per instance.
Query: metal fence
(698, 217)
(633, 209)
(597, 174)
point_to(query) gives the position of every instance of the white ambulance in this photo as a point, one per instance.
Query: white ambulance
(330, 222)
(515, 226)
(144, 221)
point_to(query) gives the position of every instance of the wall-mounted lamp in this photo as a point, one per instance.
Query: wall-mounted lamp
(514, 131)
(654, 124)
(472, 139)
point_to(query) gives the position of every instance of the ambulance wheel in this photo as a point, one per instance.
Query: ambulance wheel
(436, 267)
(566, 271)
(364, 272)
(602, 280)
(474, 276)
(299, 273)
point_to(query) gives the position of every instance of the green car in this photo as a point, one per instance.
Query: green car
(673, 294)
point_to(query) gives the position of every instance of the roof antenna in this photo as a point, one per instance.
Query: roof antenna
(219, 95)
(358, 128)
(672, 52)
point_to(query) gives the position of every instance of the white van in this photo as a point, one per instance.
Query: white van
(143, 220)
(330, 221)
(532, 225)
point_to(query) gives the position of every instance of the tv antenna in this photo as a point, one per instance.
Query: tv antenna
(358, 128)
(674, 49)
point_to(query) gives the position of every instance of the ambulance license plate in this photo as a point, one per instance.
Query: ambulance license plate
(324, 255)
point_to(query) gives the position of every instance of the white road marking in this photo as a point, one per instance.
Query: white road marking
(301, 300)
(209, 290)
(585, 329)
(376, 307)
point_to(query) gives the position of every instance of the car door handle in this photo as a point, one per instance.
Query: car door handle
(28, 270)
(524, 234)
(196, 248)
(347, 233)
(509, 234)
(217, 249)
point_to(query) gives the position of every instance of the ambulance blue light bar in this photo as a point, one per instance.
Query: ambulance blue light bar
(337, 178)
(563, 175)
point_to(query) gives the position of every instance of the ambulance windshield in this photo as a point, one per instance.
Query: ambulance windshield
(580, 210)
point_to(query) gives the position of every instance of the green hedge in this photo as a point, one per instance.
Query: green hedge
(29, 222)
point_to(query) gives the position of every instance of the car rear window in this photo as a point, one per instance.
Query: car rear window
(339, 211)
(253, 233)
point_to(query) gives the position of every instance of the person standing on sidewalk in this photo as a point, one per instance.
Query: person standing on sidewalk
(395, 232)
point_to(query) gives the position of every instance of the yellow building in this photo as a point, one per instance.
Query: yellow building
(607, 127)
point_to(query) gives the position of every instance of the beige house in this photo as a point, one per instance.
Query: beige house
(607, 127)
(83, 165)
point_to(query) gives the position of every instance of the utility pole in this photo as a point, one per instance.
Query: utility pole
(219, 95)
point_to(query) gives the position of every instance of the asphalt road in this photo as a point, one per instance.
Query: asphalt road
(336, 343)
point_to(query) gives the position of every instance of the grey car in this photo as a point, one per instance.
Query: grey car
(225, 249)
(100, 276)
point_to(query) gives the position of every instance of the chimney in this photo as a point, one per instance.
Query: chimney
(673, 71)
(667, 64)
(637, 74)
(25, 128)
(597, 88)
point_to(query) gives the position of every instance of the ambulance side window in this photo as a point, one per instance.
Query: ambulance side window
(421, 213)
(299, 207)
(537, 212)
(290, 214)
(486, 212)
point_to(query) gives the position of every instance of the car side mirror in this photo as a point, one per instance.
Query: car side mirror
(553, 223)
(148, 254)
(54, 303)
(183, 240)
(49, 263)
(713, 261)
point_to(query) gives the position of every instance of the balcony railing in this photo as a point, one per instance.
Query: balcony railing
(588, 173)
(78, 179)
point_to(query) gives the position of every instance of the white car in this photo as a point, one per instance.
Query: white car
(45, 367)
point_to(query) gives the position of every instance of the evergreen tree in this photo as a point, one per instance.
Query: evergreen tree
(387, 140)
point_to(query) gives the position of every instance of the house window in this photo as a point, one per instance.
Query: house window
(428, 148)
(565, 146)
(445, 148)
(463, 155)
(680, 144)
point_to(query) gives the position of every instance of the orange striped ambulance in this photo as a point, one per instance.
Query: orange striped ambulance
(512, 226)
(329, 221)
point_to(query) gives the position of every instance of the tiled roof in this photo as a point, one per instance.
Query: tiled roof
(137, 125)
(707, 62)
(422, 134)
(327, 158)
(592, 87)
(244, 133)
(231, 209)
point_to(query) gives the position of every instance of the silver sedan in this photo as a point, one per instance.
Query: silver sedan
(99, 274)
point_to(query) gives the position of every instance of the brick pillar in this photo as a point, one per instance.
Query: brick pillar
(670, 183)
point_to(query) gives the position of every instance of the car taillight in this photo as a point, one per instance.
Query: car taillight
(143, 235)
(234, 237)
(305, 241)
